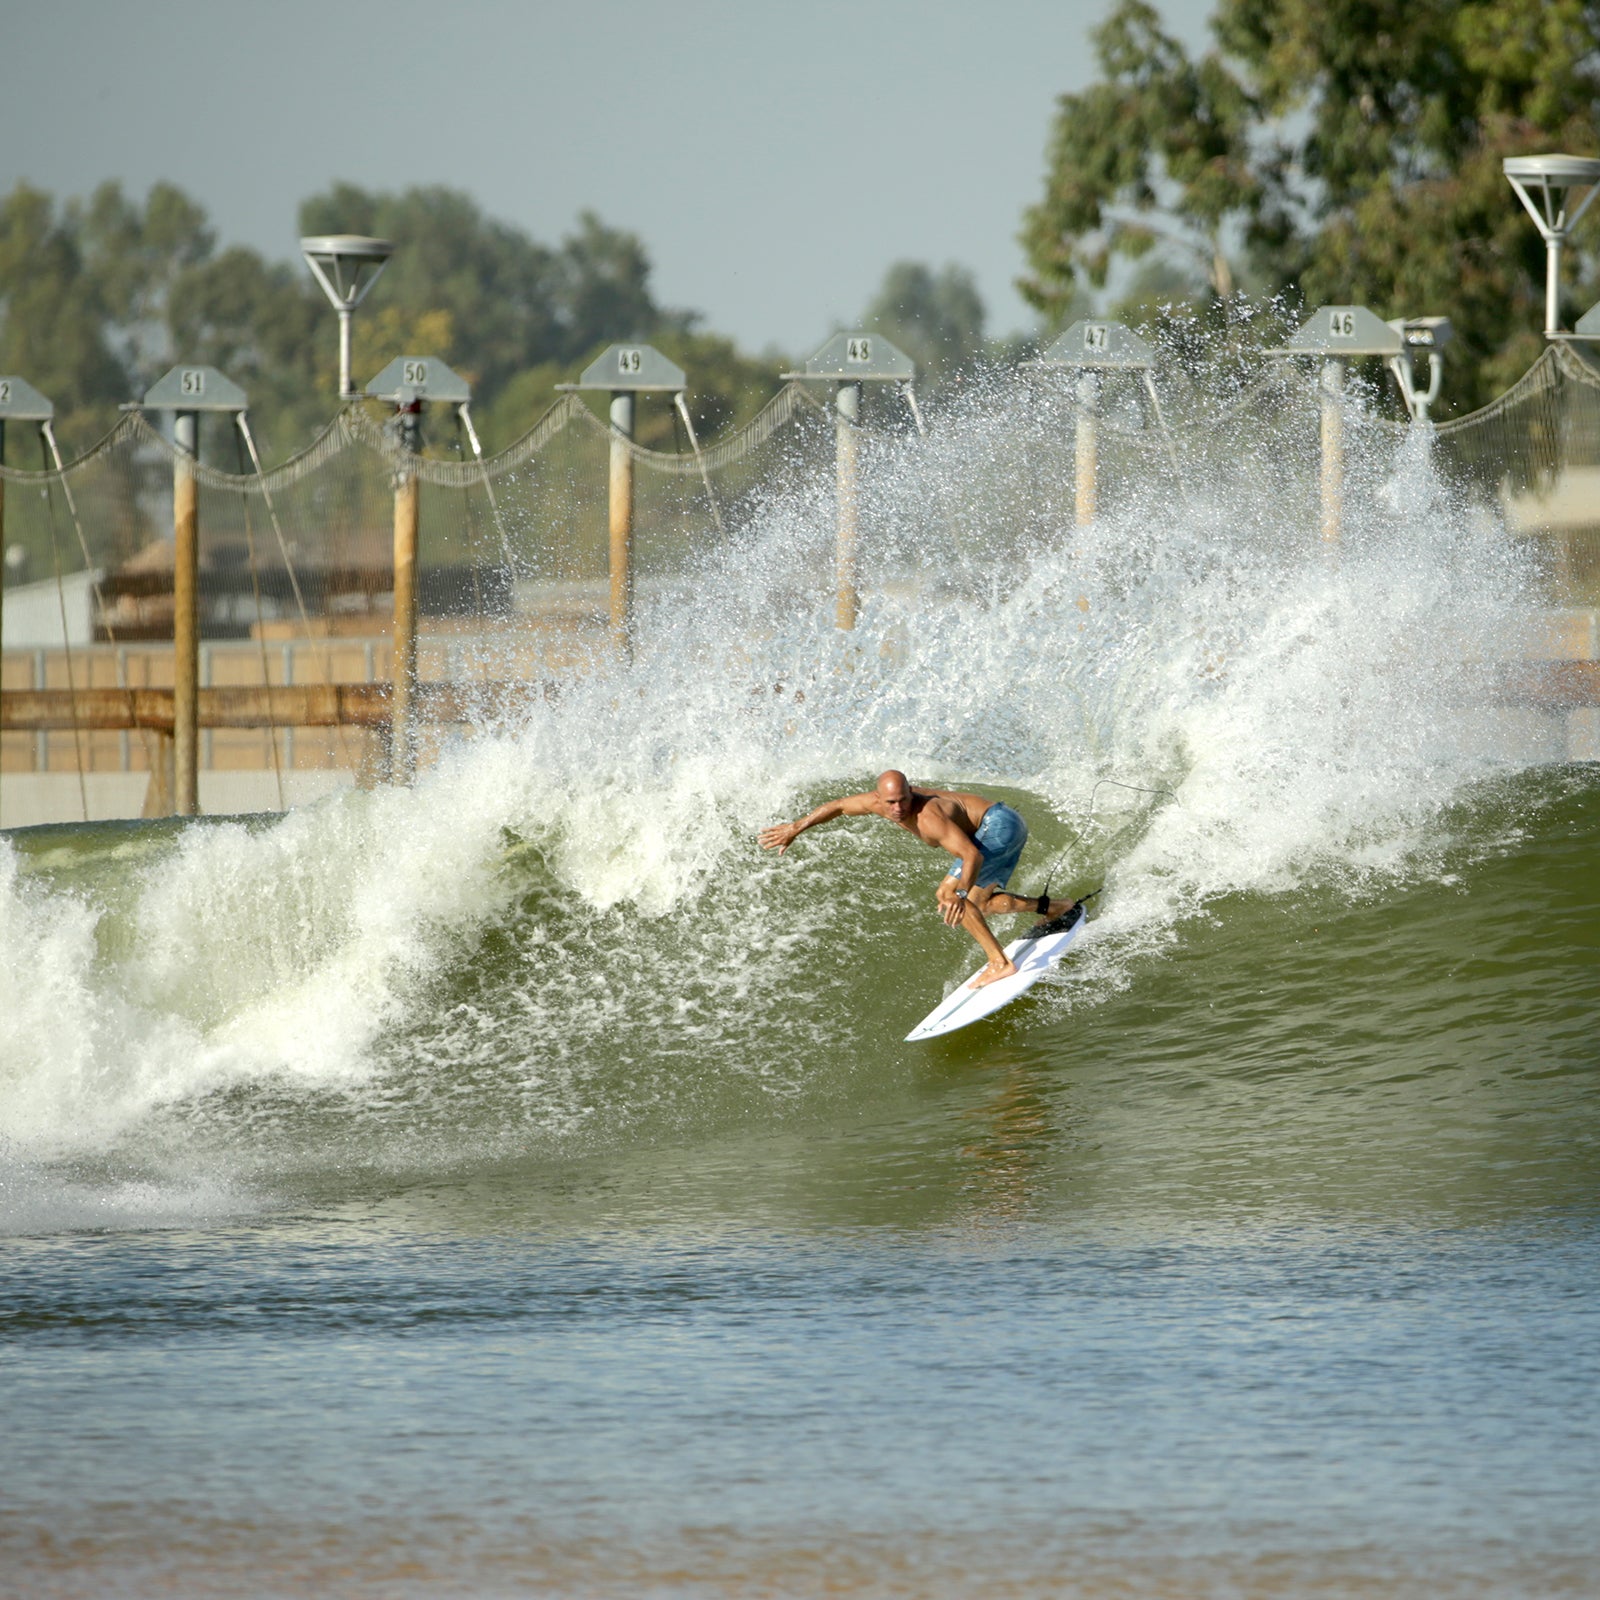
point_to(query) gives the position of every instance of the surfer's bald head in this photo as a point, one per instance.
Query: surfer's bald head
(894, 792)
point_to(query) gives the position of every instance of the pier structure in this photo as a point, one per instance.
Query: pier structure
(1092, 350)
(626, 371)
(346, 650)
(188, 392)
(848, 361)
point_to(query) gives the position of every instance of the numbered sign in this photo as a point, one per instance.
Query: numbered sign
(408, 379)
(1345, 332)
(630, 367)
(1098, 347)
(859, 358)
(21, 402)
(195, 389)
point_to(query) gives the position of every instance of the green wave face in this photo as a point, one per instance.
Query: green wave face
(1345, 951)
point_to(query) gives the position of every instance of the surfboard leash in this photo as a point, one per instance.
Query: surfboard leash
(1077, 837)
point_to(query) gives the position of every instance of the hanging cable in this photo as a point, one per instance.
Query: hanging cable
(705, 475)
(243, 421)
(66, 636)
(1077, 837)
(464, 424)
(261, 632)
(102, 611)
(464, 419)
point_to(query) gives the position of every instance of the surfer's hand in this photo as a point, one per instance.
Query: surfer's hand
(778, 838)
(950, 908)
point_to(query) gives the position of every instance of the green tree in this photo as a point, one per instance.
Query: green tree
(1411, 111)
(1345, 150)
(513, 303)
(937, 318)
(136, 256)
(1159, 153)
(53, 318)
(98, 298)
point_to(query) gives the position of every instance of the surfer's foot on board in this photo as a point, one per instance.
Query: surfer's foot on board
(993, 974)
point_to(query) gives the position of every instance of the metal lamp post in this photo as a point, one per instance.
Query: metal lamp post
(1091, 349)
(1339, 334)
(626, 371)
(849, 360)
(1420, 336)
(409, 383)
(1543, 185)
(346, 265)
(186, 392)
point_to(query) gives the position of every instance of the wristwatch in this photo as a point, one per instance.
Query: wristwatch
(961, 894)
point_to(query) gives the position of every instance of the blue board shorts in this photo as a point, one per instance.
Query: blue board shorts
(1000, 837)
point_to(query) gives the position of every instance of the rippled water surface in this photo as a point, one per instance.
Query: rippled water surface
(520, 1184)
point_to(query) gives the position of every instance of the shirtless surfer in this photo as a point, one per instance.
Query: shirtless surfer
(985, 836)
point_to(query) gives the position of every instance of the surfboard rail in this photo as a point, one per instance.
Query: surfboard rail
(1034, 954)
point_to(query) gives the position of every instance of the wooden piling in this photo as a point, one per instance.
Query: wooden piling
(847, 416)
(1086, 454)
(621, 523)
(1332, 477)
(185, 791)
(2, 529)
(403, 668)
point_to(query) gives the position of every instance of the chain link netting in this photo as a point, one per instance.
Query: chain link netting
(296, 563)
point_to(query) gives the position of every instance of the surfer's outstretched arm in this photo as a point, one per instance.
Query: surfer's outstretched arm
(784, 834)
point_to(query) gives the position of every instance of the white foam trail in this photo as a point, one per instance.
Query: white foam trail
(35, 1200)
(277, 952)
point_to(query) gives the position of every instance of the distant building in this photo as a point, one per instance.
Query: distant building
(33, 611)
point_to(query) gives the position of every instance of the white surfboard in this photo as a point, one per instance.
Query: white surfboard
(1034, 956)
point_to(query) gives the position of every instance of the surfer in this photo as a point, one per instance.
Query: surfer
(985, 836)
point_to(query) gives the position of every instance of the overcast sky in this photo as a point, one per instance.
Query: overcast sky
(774, 158)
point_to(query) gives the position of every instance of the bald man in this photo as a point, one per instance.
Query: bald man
(985, 836)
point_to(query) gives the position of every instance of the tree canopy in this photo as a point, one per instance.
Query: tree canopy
(99, 297)
(1336, 150)
(935, 317)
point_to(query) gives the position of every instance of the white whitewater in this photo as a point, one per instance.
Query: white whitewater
(1300, 719)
